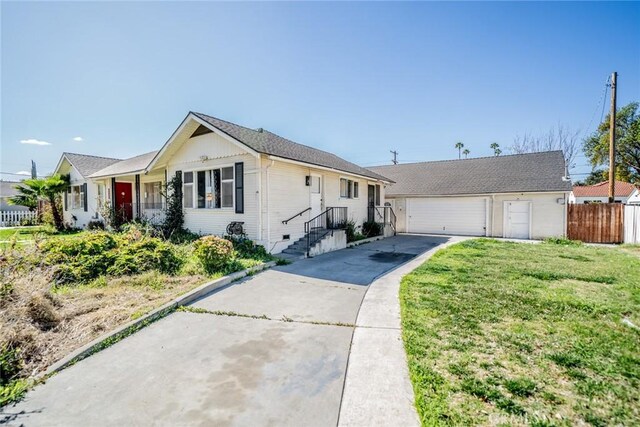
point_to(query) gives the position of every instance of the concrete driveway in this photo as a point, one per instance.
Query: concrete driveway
(269, 350)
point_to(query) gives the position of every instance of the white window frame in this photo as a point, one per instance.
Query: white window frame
(209, 176)
(349, 189)
(156, 196)
(79, 203)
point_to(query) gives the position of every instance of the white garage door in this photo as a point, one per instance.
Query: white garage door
(447, 215)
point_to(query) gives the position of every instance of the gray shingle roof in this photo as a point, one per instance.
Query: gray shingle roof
(126, 166)
(266, 142)
(7, 188)
(534, 172)
(86, 164)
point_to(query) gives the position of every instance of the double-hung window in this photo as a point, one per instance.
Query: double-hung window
(152, 195)
(348, 189)
(77, 197)
(213, 188)
(187, 189)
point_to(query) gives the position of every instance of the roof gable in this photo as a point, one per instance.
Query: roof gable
(86, 164)
(265, 142)
(534, 172)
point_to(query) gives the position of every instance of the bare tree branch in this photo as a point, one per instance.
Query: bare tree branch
(557, 138)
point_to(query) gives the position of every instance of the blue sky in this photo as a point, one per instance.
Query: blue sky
(356, 79)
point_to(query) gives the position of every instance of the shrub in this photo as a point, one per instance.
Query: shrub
(90, 255)
(246, 248)
(95, 225)
(214, 253)
(174, 215)
(371, 228)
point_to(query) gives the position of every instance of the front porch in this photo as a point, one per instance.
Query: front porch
(135, 197)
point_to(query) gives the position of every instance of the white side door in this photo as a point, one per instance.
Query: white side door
(517, 219)
(316, 195)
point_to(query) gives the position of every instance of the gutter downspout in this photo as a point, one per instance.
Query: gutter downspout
(493, 205)
(267, 203)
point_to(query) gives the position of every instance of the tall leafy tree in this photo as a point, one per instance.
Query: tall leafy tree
(596, 146)
(459, 145)
(466, 152)
(31, 191)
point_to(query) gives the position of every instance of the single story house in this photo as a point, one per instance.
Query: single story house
(515, 196)
(625, 192)
(80, 204)
(229, 173)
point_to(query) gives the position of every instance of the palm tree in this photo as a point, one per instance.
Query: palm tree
(459, 145)
(497, 152)
(466, 152)
(496, 148)
(31, 191)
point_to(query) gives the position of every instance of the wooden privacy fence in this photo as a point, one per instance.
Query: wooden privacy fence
(596, 223)
(12, 218)
(632, 224)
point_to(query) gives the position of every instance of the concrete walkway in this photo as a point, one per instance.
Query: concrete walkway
(268, 350)
(378, 391)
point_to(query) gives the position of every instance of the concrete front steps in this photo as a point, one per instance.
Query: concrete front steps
(298, 249)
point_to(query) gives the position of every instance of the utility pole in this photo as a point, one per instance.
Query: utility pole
(395, 157)
(612, 139)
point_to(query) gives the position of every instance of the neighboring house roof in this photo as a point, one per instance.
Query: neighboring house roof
(622, 189)
(265, 142)
(7, 188)
(86, 164)
(519, 173)
(127, 166)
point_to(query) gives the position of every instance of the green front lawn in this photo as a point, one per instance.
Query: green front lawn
(29, 234)
(524, 334)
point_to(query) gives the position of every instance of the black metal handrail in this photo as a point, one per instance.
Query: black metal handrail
(331, 219)
(384, 218)
(286, 221)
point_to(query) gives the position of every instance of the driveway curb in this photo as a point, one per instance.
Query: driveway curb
(377, 389)
(123, 331)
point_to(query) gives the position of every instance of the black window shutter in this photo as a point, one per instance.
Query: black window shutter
(239, 179)
(179, 189)
(66, 198)
(84, 188)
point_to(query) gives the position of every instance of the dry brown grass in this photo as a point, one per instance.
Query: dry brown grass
(48, 323)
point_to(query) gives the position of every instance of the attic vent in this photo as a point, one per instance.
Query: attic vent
(260, 130)
(201, 131)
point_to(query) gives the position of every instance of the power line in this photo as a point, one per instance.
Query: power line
(600, 101)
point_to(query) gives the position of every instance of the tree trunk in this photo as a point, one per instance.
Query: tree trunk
(57, 219)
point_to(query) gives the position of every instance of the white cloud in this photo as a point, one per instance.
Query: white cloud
(33, 141)
(23, 173)
(78, 139)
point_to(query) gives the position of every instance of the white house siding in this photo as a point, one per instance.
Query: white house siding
(288, 195)
(82, 217)
(218, 152)
(548, 216)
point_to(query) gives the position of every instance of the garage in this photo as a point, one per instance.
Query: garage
(520, 196)
(447, 215)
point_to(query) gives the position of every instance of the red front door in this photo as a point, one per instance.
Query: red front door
(124, 200)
